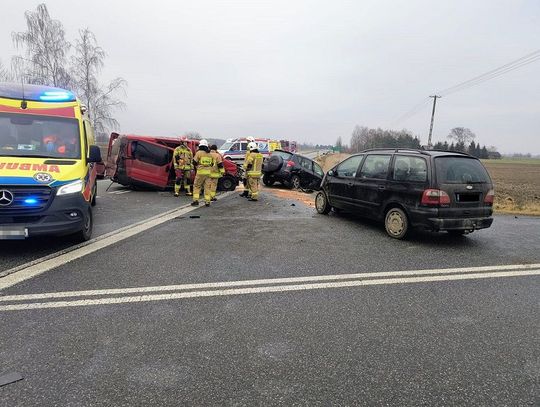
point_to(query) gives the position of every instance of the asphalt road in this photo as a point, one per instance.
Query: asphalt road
(116, 207)
(450, 341)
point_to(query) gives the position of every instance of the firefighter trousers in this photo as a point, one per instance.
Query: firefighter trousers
(202, 181)
(253, 187)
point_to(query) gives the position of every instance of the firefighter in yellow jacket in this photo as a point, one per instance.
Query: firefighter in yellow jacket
(183, 165)
(244, 180)
(217, 171)
(253, 170)
(203, 163)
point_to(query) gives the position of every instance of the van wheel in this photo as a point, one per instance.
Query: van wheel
(226, 183)
(94, 195)
(396, 223)
(321, 204)
(86, 233)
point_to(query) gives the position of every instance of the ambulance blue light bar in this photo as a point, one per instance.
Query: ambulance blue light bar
(37, 93)
(56, 96)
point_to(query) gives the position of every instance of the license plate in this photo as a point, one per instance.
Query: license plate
(13, 233)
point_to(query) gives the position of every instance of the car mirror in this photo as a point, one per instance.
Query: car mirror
(331, 173)
(95, 155)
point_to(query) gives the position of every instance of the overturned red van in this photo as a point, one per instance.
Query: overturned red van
(146, 162)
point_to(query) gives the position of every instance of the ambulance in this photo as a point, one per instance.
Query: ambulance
(47, 163)
(235, 149)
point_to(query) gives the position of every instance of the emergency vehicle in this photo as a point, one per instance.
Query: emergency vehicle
(146, 162)
(47, 163)
(235, 149)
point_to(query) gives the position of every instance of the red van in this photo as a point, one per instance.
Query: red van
(146, 162)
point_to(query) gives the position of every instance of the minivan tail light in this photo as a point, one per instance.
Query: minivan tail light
(490, 197)
(435, 197)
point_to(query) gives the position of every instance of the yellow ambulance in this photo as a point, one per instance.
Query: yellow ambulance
(47, 163)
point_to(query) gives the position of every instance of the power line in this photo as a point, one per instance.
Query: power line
(494, 73)
(511, 66)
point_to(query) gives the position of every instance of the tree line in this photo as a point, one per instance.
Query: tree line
(461, 140)
(48, 58)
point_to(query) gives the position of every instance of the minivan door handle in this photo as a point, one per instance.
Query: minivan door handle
(350, 184)
(381, 187)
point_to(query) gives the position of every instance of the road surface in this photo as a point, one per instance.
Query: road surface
(269, 303)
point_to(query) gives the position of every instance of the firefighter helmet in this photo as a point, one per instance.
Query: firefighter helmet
(250, 139)
(203, 143)
(252, 146)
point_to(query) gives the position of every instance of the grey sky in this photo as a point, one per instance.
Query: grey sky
(311, 70)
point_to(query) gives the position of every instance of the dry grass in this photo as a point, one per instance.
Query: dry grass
(517, 186)
(517, 183)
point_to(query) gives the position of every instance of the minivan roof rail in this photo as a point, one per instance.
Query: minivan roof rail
(397, 150)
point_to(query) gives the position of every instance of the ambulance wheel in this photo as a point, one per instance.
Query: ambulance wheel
(88, 225)
(94, 195)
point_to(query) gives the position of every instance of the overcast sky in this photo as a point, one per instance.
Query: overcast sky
(311, 70)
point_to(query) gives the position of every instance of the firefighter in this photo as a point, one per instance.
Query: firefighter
(203, 163)
(217, 171)
(245, 194)
(253, 171)
(183, 165)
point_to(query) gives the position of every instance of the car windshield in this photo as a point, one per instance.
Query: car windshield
(460, 170)
(25, 135)
(227, 146)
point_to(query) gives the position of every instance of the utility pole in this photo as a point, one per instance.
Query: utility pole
(435, 97)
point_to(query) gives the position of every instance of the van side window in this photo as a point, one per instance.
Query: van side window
(150, 154)
(375, 166)
(235, 147)
(349, 167)
(411, 169)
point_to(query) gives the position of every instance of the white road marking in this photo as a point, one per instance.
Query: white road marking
(34, 268)
(268, 281)
(266, 289)
(120, 192)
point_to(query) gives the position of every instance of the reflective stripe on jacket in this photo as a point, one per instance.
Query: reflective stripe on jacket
(254, 162)
(216, 171)
(182, 158)
(204, 161)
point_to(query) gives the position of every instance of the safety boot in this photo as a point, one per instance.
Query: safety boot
(214, 199)
(244, 194)
(195, 203)
(207, 204)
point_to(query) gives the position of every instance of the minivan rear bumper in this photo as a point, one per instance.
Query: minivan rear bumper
(439, 224)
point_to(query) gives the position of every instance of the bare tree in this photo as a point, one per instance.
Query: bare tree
(193, 135)
(462, 135)
(5, 74)
(101, 100)
(45, 49)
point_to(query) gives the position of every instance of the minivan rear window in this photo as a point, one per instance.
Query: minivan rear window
(460, 170)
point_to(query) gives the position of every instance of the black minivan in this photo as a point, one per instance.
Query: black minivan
(426, 189)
